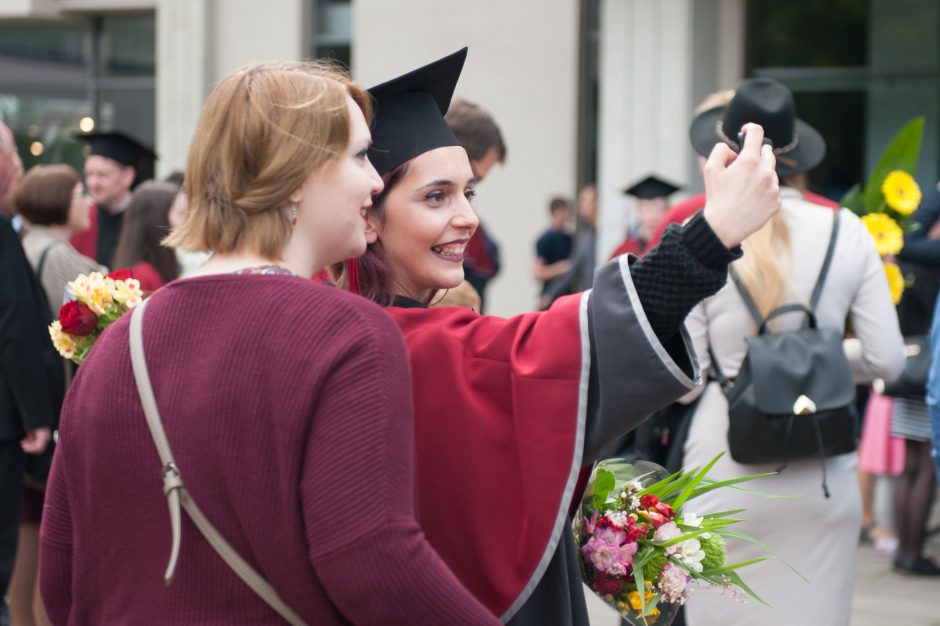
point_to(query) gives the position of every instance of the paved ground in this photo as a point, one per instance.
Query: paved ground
(881, 597)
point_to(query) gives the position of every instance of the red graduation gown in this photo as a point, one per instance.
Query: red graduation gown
(500, 406)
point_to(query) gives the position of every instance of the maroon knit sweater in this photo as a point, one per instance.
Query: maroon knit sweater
(288, 408)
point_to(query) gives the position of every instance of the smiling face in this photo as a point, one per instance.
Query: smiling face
(333, 201)
(427, 221)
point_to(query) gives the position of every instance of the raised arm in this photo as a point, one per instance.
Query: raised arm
(358, 489)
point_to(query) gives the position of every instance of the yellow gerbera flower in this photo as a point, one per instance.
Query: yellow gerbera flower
(889, 238)
(901, 192)
(895, 281)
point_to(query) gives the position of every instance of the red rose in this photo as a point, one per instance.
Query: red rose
(123, 274)
(77, 319)
(648, 502)
(606, 585)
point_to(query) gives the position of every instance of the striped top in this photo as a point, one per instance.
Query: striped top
(63, 263)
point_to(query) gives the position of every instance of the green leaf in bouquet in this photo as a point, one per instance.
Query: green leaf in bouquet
(901, 154)
(711, 485)
(679, 539)
(853, 200)
(640, 582)
(692, 484)
(652, 605)
(723, 514)
(659, 486)
(736, 580)
(733, 566)
(604, 483)
(732, 534)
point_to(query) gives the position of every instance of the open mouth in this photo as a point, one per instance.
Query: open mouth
(451, 251)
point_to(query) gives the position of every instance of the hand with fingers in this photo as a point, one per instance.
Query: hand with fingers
(741, 190)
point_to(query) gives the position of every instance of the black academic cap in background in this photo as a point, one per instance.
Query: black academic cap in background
(120, 147)
(409, 112)
(651, 187)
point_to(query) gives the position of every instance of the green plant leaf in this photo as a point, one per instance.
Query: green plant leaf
(690, 487)
(733, 566)
(853, 200)
(901, 154)
(604, 483)
(718, 484)
(736, 579)
(732, 534)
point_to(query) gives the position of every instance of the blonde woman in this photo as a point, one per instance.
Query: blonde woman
(781, 264)
(258, 375)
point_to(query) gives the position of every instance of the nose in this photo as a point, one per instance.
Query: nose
(466, 216)
(377, 184)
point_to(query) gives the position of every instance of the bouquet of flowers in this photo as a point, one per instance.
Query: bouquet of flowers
(640, 546)
(97, 301)
(889, 198)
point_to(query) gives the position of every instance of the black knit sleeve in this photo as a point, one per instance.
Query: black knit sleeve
(689, 264)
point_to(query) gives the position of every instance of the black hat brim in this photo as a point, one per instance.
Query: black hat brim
(808, 153)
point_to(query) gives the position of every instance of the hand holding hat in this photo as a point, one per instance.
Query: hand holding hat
(742, 192)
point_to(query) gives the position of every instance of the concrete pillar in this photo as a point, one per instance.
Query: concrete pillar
(646, 67)
(523, 68)
(199, 42)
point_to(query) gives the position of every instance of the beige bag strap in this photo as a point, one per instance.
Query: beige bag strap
(176, 494)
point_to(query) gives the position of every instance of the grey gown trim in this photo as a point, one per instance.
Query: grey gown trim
(674, 369)
(561, 522)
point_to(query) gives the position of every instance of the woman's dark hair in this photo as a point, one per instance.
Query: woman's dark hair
(375, 276)
(146, 223)
(45, 194)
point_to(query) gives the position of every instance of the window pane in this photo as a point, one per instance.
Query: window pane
(805, 33)
(62, 42)
(43, 127)
(128, 45)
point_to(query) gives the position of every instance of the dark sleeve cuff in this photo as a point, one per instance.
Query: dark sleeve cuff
(704, 244)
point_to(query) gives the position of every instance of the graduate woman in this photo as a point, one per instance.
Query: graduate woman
(508, 411)
(257, 373)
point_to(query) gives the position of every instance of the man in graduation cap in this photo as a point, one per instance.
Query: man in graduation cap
(652, 202)
(115, 164)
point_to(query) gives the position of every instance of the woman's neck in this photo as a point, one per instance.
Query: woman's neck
(61, 231)
(229, 262)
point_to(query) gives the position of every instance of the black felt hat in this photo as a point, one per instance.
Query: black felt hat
(797, 145)
(409, 112)
(120, 147)
(651, 187)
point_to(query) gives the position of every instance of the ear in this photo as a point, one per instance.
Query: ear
(372, 228)
(128, 174)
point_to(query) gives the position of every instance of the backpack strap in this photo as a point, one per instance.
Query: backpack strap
(42, 258)
(746, 296)
(827, 261)
(176, 493)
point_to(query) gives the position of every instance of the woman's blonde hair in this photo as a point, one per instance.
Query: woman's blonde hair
(768, 259)
(263, 130)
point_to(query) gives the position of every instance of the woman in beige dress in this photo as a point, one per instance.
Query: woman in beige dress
(816, 535)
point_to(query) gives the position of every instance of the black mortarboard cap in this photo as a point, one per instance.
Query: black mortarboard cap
(651, 187)
(119, 146)
(409, 112)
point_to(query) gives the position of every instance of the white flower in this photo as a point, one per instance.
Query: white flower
(690, 554)
(618, 517)
(694, 521)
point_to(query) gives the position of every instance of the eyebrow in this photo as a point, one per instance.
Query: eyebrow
(443, 182)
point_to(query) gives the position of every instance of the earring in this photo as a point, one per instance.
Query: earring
(293, 214)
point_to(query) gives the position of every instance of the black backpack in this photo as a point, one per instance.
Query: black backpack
(794, 396)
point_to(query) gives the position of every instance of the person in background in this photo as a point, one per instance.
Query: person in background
(781, 264)
(478, 133)
(115, 164)
(258, 374)
(580, 275)
(52, 200)
(188, 261)
(554, 245)
(32, 379)
(146, 224)
(679, 213)
(652, 202)
(55, 206)
(915, 489)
